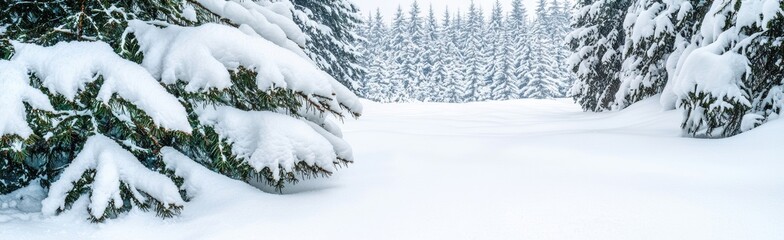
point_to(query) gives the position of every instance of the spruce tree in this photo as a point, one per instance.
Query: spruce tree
(433, 70)
(473, 71)
(559, 18)
(648, 47)
(494, 51)
(543, 78)
(377, 80)
(104, 111)
(520, 38)
(413, 64)
(451, 55)
(597, 42)
(741, 42)
(506, 83)
(398, 91)
(330, 25)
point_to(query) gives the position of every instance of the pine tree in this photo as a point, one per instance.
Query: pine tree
(398, 91)
(543, 79)
(520, 38)
(647, 49)
(740, 42)
(377, 80)
(433, 70)
(559, 18)
(330, 25)
(451, 54)
(596, 42)
(473, 71)
(494, 51)
(506, 83)
(91, 70)
(412, 68)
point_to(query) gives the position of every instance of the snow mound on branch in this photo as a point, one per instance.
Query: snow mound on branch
(16, 91)
(66, 67)
(112, 165)
(198, 180)
(202, 57)
(713, 71)
(272, 20)
(273, 140)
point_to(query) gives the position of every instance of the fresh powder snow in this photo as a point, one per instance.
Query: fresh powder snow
(527, 169)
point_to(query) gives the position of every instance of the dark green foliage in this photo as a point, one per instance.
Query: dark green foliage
(59, 136)
(762, 86)
(333, 51)
(598, 72)
(713, 122)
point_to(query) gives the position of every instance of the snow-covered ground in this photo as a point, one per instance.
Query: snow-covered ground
(529, 169)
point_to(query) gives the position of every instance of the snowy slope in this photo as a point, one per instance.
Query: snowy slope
(529, 169)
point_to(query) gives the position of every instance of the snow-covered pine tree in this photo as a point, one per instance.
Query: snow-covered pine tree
(597, 42)
(494, 50)
(542, 76)
(377, 78)
(651, 29)
(506, 84)
(398, 32)
(558, 19)
(729, 79)
(433, 70)
(412, 68)
(100, 92)
(520, 38)
(456, 38)
(473, 71)
(362, 44)
(330, 25)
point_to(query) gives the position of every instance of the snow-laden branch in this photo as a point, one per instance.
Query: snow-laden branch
(202, 57)
(67, 67)
(113, 166)
(17, 91)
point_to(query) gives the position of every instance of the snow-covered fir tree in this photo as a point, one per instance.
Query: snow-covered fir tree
(597, 41)
(520, 40)
(717, 61)
(103, 99)
(330, 29)
(559, 18)
(729, 80)
(471, 57)
(543, 77)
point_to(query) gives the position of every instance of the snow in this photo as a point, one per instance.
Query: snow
(265, 18)
(14, 81)
(528, 169)
(113, 165)
(24, 200)
(188, 12)
(66, 67)
(751, 11)
(202, 57)
(713, 71)
(273, 140)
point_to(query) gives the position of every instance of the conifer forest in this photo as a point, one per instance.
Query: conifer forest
(394, 119)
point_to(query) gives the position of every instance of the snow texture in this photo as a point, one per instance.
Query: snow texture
(113, 165)
(202, 57)
(527, 169)
(272, 20)
(25, 200)
(66, 67)
(273, 140)
(16, 91)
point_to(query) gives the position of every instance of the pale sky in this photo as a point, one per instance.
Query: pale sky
(388, 7)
